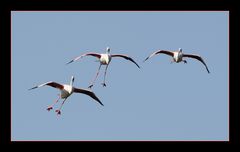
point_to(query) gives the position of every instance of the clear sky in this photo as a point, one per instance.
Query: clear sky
(161, 101)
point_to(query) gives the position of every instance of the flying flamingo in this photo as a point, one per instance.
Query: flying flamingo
(105, 59)
(66, 91)
(178, 56)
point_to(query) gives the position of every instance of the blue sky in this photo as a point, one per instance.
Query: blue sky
(160, 101)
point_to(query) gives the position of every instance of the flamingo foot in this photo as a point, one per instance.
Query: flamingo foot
(104, 84)
(58, 112)
(49, 108)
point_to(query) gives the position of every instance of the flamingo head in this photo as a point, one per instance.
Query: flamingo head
(180, 49)
(108, 50)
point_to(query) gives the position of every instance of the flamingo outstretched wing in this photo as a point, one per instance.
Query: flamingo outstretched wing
(125, 57)
(159, 51)
(86, 54)
(199, 58)
(89, 93)
(49, 83)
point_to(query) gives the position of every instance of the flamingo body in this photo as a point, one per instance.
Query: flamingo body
(66, 91)
(105, 59)
(178, 56)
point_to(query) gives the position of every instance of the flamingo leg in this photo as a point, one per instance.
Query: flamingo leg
(59, 110)
(104, 84)
(95, 76)
(51, 106)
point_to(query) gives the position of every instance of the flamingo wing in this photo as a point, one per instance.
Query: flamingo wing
(160, 51)
(89, 93)
(199, 58)
(86, 54)
(50, 83)
(125, 57)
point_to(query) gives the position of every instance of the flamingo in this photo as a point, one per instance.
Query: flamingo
(178, 56)
(66, 91)
(104, 59)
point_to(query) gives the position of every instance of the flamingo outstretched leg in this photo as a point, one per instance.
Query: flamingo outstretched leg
(51, 106)
(59, 110)
(95, 77)
(104, 84)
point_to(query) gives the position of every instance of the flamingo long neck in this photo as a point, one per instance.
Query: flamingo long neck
(71, 82)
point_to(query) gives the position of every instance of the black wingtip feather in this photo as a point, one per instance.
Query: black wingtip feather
(101, 103)
(32, 88)
(69, 62)
(145, 59)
